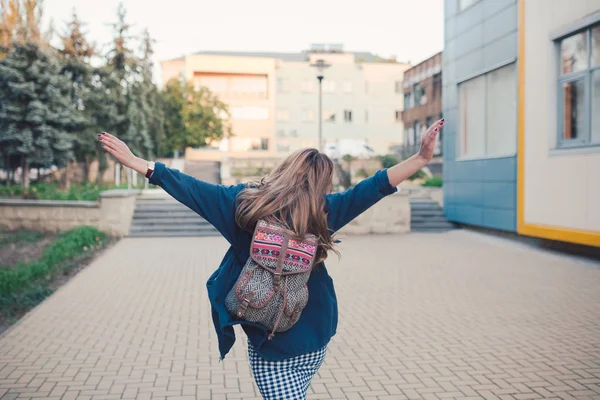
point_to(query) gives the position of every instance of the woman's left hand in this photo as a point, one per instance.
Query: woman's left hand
(428, 141)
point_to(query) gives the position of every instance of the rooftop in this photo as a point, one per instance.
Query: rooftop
(359, 56)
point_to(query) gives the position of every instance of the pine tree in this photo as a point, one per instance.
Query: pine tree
(75, 56)
(153, 104)
(36, 116)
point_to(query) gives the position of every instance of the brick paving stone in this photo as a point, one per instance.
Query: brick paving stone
(454, 315)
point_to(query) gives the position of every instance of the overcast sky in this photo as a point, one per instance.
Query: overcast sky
(412, 30)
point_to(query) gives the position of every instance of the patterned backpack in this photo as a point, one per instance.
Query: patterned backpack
(271, 289)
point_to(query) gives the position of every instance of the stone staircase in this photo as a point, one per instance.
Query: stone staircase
(160, 216)
(426, 215)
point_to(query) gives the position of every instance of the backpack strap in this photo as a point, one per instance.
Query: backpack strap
(278, 320)
(280, 260)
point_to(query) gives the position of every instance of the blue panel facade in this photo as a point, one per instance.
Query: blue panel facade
(477, 40)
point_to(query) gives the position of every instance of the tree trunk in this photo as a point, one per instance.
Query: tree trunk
(25, 174)
(85, 167)
(67, 181)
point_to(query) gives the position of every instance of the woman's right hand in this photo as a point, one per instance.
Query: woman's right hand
(119, 150)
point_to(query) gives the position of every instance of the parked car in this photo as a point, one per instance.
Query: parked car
(355, 148)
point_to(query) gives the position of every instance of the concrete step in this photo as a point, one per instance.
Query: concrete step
(427, 219)
(427, 213)
(161, 208)
(165, 214)
(424, 206)
(174, 234)
(172, 228)
(170, 221)
(433, 224)
(432, 230)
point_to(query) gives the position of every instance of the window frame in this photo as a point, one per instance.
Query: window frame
(347, 115)
(457, 141)
(586, 75)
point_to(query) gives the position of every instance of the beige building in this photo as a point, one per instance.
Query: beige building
(559, 137)
(273, 99)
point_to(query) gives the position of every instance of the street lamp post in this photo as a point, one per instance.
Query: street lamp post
(320, 65)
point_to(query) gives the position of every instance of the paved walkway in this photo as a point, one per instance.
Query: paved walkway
(454, 315)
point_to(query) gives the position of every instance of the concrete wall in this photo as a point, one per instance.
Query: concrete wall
(390, 215)
(478, 40)
(561, 186)
(111, 214)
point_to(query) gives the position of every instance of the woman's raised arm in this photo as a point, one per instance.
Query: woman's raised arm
(215, 203)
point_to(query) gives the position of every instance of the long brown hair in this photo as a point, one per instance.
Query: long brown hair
(292, 194)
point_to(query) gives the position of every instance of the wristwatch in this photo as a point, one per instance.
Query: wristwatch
(150, 170)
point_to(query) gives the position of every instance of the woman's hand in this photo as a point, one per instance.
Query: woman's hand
(405, 169)
(428, 141)
(119, 150)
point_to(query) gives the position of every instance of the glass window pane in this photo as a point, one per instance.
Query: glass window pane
(596, 107)
(573, 53)
(502, 111)
(573, 110)
(471, 121)
(596, 46)
(462, 4)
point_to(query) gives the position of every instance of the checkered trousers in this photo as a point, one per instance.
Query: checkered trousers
(287, 379)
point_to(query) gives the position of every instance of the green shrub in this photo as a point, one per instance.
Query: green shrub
(52, 191)
(362, 173)
(435, 181)
(388, 161)
(417, 175)
(24, 285)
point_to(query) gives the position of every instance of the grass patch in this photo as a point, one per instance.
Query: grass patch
(434, 181)
(53, 191)
(24, 285)
(19, 237)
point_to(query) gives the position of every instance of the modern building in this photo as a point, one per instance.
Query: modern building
(273, 99)
(422, 102)
(521, 98)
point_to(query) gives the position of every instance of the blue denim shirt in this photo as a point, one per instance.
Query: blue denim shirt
(217, 204)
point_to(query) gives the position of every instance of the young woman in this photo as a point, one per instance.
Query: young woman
(297, 194)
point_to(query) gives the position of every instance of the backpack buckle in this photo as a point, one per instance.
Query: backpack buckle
(244, 305)
(277, 281)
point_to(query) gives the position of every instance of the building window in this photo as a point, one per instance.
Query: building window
(347, 87)
(416, 95)
(282, 115)
(437, 86)
(416, 132)
(366, 87)
(408, 101)
(348, 115)
(579, 89)
(283, 85)
(308, 115)
(366, 116)
(328, 116)
(280, 132)
(399, 87)
(398, 115)
(264, 144)
(250, 113)
(428, 121)
(293, 132)
(487, 120)
(328, 86)
(462, 4)
(423, 97)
